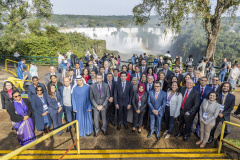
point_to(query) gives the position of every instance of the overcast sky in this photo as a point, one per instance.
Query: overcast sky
(99, 7)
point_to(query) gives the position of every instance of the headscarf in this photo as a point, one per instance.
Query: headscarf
(135, 86)
(140, 94)
(75, 81)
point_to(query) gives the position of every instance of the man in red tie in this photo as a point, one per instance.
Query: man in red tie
(189, 107)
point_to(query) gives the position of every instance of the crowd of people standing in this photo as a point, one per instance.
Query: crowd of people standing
(144, 96)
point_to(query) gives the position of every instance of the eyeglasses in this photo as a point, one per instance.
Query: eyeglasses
(157, 86)
(215, 80)
(39, 90)
(17, 96)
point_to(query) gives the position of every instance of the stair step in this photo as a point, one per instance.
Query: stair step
(211, 150)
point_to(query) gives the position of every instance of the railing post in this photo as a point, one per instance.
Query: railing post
(78, 143)
(221, 137)
(6, 64)
(51, 60)
(34, 60)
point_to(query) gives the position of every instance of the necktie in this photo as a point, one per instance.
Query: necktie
(185, 98)
(156, 96)
(214, 88)
(99, 89)
(110, 85)
(149, 87)
(223, 100)
(195, 80)
(202, 92)
(143, 69)
(137, 77)
(78, 72)
(123, 87)
(176, 75)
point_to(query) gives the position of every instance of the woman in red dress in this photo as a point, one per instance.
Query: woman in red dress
(85, 74)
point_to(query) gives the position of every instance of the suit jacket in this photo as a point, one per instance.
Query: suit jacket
(212, 110)
(111, 91)
(175, 103)
(32, 90)
(61, 88)
(97, 98)
(6, 100)
(198, 81)
(94, 69)
(207, 90)
(192, 102)
(75, 72)
(145, 71)
(123, 98)
(15, 117)
(180, 77)
(143, 102)
(228, 105)
(168, 73)
(59, 84)
(118, 79)
(73, 79)
(218, 88)
(90, 82)
(146, 87)
(48, 80)
(135, 75)
(158, 104)
(53, 103)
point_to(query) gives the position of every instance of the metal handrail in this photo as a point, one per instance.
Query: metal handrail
(23, 148)
(222, 133)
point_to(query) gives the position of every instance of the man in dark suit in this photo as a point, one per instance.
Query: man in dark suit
(148, 87)
(65, 92)
(102, 72)
(137, 74)
(166, 70)
(93, 78)
(71, 76)
(204, 90)
(227, 101)
(215, 86)
(157, 100)
(77, 70)
(91, 67)
(116, 78)
(177, 74)
(144, 68)
(196, 79)
(99, 95)
(123, 93)
(111, 106)
(189, 107)
(52, 70)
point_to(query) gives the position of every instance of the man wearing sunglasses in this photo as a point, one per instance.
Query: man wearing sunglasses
(215, 86)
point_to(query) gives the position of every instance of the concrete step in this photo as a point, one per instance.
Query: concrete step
(122, 154)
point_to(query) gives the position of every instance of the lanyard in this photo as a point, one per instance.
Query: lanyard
(42, 99)
(170, 96)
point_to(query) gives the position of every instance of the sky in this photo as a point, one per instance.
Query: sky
(100, 7)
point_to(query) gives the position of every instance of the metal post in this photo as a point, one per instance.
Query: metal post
(78, 143)
(51, 60)
(34, 60)
(222, 133)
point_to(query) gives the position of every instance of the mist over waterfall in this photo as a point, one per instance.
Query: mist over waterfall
(130, 40)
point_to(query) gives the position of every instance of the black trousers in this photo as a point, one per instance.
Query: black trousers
(227, 127)
(187, 120)
(110, 112)
(145, 117)
(138, 119)
(122, 115)
(238, 110)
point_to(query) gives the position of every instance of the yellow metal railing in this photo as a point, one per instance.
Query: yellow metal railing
(23, 148)
(7, 69)
(222, 133)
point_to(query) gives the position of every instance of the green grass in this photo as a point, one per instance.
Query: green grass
(235, 142)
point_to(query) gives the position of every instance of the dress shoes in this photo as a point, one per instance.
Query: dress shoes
(197, 135)
(68, 129)
(158, 136)
(104, 133)
(133, 131)
(185, 137)
(113, 123)
(178, 134)
(126, 126)
(150, 134)
(95, 134)
(118, 128)
(211, 138)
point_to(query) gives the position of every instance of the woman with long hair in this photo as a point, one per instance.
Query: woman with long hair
(130, 69)
(183, 83)
(20, 111)
(150, 72)
(85, 74)
(6, 94)
(54, 101)
(143, 79)
(162, 79)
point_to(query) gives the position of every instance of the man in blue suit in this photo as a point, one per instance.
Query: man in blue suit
(65, 92)
(77, 70)
(123, 93)
(157, 100)
(204, 90)
(137, 74)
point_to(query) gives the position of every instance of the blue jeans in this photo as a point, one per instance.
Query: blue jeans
(59, 68)
(222, 73)
(69, 114)
(69, 60)
(198, 127)
(169, 120)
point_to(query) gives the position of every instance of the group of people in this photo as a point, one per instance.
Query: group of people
(139, 94)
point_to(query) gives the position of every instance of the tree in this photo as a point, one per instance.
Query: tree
(173, 12)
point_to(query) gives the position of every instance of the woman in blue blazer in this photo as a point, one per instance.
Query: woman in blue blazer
(40, 107)
(54, 101)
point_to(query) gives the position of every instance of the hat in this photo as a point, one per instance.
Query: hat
(79, 77)
(58, 52)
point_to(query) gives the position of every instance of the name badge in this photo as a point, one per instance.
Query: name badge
(45, 107)
(222, 108)
(168, 103)
(205, 115)
(139, 103)
(59, 104)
